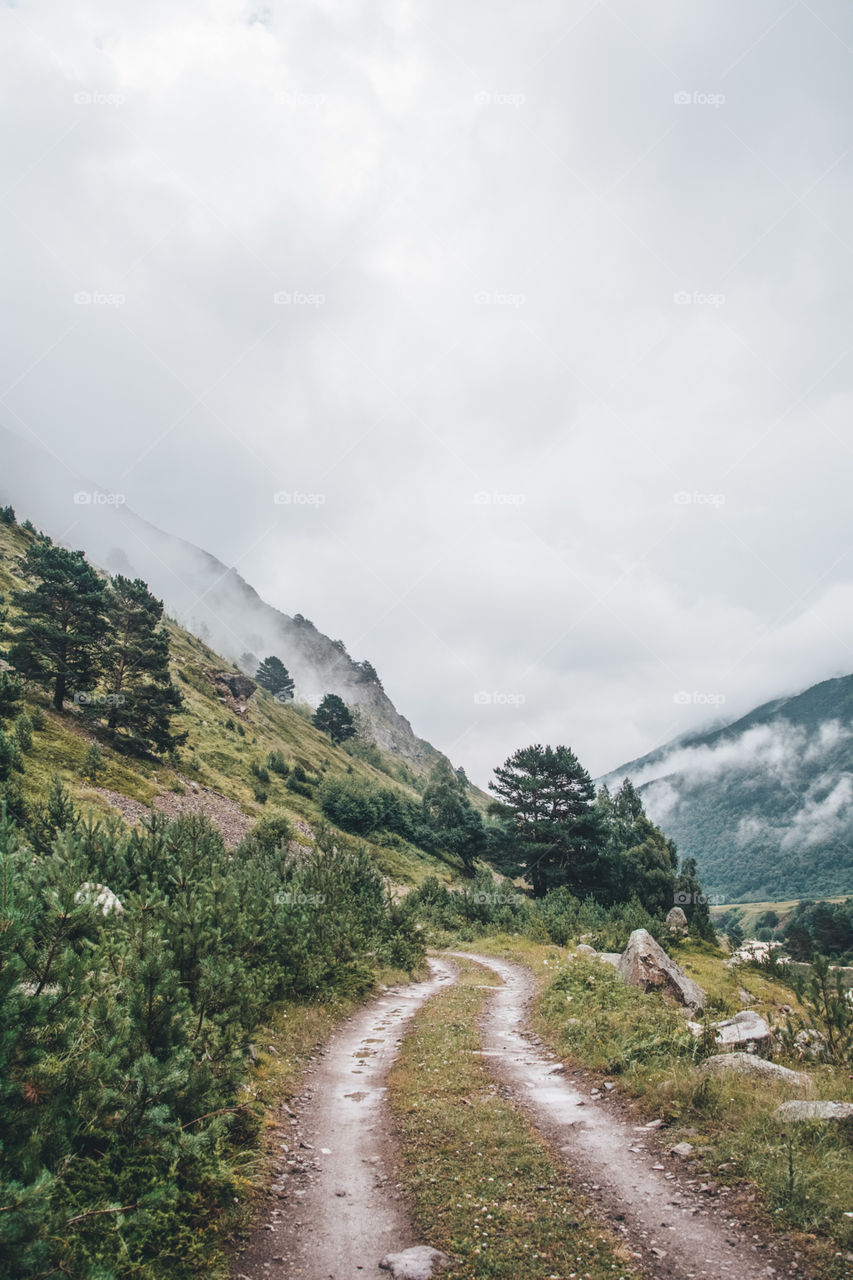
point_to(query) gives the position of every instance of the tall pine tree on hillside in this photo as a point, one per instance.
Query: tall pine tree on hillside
(274, 676)
(57, 636)
(333, 717)
(140, 696)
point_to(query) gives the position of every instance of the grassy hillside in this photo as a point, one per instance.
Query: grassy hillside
(218, 757)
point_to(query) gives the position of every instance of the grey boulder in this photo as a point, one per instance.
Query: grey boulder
(645, 964)
(746, 1027)
(420, 1263)
(796, 1112)
(749, 1064)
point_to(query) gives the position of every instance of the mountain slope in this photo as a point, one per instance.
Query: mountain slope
(222, 769)
(764, 804)
(199, 591)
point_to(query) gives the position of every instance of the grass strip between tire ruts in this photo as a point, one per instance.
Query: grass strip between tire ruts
(485, 1187)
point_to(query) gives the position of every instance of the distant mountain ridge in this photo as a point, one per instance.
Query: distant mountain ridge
(199, 591)
(764, 804)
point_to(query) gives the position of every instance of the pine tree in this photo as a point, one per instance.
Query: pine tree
(555, 835)
(11, 695)
(273, 675)
(57, 814)
(367, 673)
(11, 760)
(333, 717)
(140, 696)
(61, 626)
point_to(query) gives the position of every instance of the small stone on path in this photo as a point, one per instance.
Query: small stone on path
(419, 1263)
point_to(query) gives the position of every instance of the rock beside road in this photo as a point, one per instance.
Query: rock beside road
(828, 1112)
(749, 1064)
(609, 957)
(420, 1263)
(645, 964)
(684, 1150)
(746, 1027)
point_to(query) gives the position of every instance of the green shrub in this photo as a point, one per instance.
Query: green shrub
(11, 695)
(11, 760)
(277, 764)
(24, 731)
(351, 804)
(260, 771)
(92, 763)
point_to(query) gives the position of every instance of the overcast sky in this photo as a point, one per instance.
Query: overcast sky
(540, 315)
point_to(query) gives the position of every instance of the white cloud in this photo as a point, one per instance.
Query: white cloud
(820, 819)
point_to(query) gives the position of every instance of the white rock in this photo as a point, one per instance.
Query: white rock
(100, 895)
(810, 1043)
(420, 1263)
(746, 1027)
(749, 1064)
(758, 952)
(794, 1112)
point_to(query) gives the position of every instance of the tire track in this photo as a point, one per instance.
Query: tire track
(336, 1211)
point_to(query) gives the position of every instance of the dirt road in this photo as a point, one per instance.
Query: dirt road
(335, 1211)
